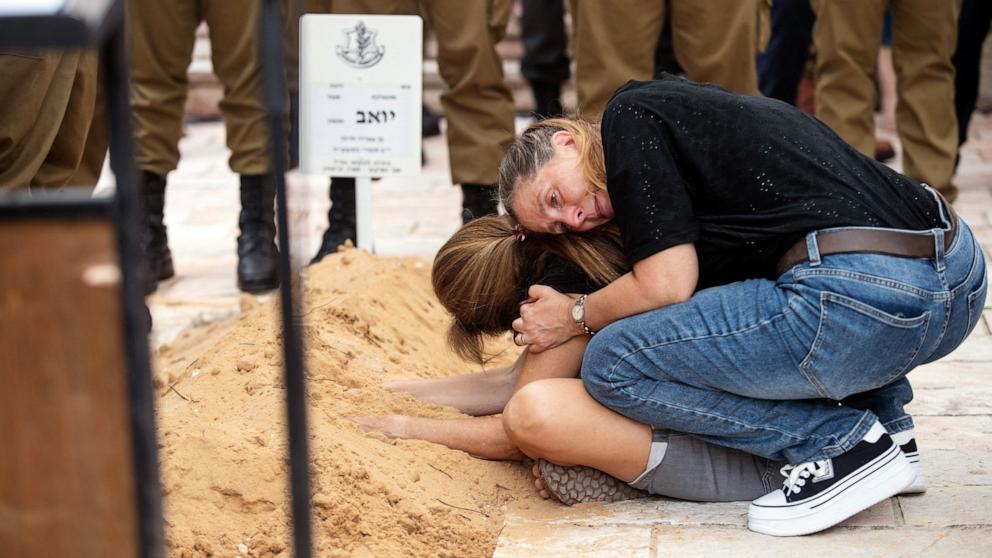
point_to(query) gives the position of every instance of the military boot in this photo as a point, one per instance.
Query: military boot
(258, 257)
(341, 223)
(154, 240)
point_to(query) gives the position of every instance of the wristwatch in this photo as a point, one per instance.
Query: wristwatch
(579, 314)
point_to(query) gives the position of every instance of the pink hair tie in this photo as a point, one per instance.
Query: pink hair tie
(518, 232)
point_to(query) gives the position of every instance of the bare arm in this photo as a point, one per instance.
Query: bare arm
(667, 277)
(476, 394)
(483, 436)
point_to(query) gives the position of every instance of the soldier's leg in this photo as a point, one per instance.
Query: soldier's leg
(36, 93)
(162, 36)
(235, 51)
(847, 36)
(923, 41)
(717, 40)
(612, 42)
(477, 103)
(95, 145)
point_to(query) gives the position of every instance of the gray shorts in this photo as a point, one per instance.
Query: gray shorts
(684, 467)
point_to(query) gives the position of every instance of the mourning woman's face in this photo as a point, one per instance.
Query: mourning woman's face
(557, 199)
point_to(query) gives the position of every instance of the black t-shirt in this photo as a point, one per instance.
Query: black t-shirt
(742, 177)
(561, 275)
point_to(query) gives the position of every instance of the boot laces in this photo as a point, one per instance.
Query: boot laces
(796, 475)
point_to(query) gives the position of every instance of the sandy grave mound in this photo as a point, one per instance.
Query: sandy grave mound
(223, 445)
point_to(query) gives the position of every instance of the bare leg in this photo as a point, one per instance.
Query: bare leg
(558, 421)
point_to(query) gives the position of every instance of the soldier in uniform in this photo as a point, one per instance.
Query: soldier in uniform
(714, 41)
(847, 36)
(478, 104)
(162, 37)
(51, 134)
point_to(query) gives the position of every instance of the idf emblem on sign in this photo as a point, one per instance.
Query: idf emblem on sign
(360, 49)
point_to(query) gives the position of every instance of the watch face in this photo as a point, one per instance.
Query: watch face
(578, 312)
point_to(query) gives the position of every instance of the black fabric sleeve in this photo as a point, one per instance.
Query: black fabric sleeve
(563, 276)
(645, 177)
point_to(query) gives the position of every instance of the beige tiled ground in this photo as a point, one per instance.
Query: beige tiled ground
(415, 215)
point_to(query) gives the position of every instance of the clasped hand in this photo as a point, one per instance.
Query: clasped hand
(545, 319)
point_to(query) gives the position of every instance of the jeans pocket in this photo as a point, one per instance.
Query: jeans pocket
(858, 347)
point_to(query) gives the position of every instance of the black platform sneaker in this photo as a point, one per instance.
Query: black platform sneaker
(820, 494)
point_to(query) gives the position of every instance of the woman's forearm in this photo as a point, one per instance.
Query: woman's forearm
(475, 394)
(668, 277)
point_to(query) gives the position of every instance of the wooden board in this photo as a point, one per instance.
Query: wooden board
(66, 465)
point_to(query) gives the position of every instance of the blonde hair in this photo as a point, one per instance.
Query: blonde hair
(533, 149)
(480, 275)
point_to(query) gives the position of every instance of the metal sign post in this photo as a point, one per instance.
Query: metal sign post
(361, 83)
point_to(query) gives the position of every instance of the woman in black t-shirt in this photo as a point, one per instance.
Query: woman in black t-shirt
(775, 271)
(480, 276)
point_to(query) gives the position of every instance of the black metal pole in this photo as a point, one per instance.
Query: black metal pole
(145, 446)
(275, 100)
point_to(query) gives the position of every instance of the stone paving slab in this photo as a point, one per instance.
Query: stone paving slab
(538, 539)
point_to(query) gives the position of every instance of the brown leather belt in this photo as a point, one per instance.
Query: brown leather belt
(889, 242)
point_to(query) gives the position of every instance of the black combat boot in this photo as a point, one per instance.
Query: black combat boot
(154, 240)
(547, 100)
(478, 200)
(341, 223)
(258, 257)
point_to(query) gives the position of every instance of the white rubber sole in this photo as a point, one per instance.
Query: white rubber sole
(919, 485)
(886, 476)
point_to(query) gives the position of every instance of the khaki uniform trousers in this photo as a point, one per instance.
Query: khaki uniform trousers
(162, 35)
(847, 36)
(714, 40)
(50, 129)
(478, 104)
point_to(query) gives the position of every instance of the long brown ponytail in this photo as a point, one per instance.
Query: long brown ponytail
(479, 274)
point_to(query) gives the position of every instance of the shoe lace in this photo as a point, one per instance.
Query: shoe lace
(796, 475)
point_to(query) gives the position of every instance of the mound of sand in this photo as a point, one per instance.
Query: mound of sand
(222, 436)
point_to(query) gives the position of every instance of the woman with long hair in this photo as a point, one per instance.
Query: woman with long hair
(781, 287)
(587, 451)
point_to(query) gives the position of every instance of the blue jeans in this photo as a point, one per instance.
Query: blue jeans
(799, 368)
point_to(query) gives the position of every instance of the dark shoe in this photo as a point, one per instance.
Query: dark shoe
(820, 494)
(154, 239)
(547, 100)
(258, 257)
(430, 123)
(341, 223)
(884, 151)
(478, 200)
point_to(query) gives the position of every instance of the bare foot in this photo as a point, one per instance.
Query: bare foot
(538, 484)
(394, 426)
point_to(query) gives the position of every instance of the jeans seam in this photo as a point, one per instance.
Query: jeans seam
(730, 420)
(871, 280)
(975, 265)
(845, 444)
(712, 336)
